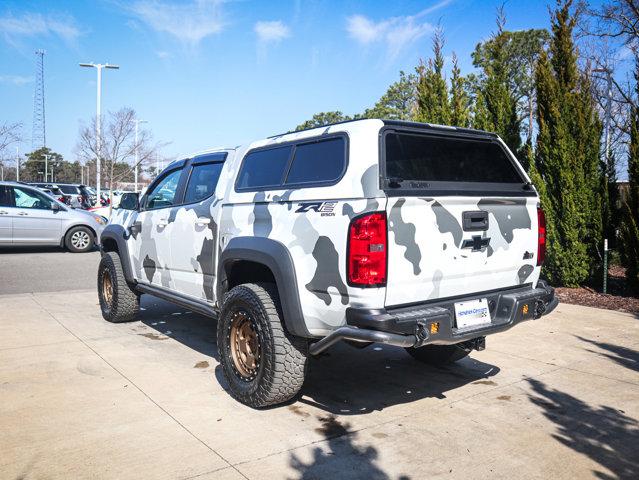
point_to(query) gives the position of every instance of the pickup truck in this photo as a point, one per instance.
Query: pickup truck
(421, 236)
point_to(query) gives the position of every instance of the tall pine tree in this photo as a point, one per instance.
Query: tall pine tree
(432, 92)
(459, 100)
(566, 167)
(496, 102)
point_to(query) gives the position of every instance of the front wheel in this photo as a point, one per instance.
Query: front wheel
(118, 302)
(263, 364)
(79, 240)
(439, 354)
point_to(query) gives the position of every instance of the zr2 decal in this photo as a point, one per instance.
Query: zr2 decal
(325, 209)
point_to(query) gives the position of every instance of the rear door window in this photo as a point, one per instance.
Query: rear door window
(264, 168)
(202, 181)
(432, 158)
(318, 162)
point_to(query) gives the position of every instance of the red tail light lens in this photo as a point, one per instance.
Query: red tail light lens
(541, 238)
(367, 250)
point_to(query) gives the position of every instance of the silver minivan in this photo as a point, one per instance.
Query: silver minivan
(29, 216)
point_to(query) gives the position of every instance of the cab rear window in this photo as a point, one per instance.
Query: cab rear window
(437, 158)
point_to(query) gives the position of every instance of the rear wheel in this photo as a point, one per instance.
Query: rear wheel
(263, 364)
(439, 354)
(118, 302)
(79, 240)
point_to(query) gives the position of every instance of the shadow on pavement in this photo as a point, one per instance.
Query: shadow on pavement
(345, 380)
(191, 329)
(41, 249)
(339, 457)
(604, 434)
(350, 381)
(626, 357)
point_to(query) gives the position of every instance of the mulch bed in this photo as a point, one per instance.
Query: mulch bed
(618, 299)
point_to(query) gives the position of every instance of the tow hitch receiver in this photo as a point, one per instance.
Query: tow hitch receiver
(478, 344)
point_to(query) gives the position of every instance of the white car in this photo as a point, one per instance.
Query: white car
(31, 217)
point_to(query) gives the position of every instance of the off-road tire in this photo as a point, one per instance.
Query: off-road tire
(283, 357)
(438, 354)
(83, 234)
(123, 304)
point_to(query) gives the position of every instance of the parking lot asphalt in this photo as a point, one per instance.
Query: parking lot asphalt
(80, 398)
(50, 269)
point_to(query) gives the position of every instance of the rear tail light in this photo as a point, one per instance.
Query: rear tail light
(541, 236)
(367, 250)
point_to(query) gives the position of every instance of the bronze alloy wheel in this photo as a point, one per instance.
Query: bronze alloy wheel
(107, 288)
(245, 345)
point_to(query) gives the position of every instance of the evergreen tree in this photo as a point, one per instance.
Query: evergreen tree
(323, 118)
(630, 209)
(432, 91)
(460, 113)
(566, 167)
(399, 101)
(33, 169)
(496, 108)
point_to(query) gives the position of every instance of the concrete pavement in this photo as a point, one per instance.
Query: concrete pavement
(82, 398)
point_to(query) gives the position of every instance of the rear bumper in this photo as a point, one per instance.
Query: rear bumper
(414, 326)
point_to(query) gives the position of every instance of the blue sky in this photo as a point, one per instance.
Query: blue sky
(206, 72)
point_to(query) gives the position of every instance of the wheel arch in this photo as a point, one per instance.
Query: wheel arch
(260, 259)
(113, 239)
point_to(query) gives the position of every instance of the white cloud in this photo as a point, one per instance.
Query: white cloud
(189, 22)
(395, 32)
(163, 55)
(271, 32)
(35, 24)
(17, 80)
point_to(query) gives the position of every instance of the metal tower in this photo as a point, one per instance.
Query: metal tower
(38, 135)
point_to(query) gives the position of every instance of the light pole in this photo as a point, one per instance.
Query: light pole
(98, 140)
(46, 167)
(17, 164)
(137, 146)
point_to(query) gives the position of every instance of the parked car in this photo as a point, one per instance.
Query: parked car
(414, 235)
(55, 191)
(29, 216)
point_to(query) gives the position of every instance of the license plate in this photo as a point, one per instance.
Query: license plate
(472, 313)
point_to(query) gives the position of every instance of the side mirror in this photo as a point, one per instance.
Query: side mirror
(55, 207)
(129, 201)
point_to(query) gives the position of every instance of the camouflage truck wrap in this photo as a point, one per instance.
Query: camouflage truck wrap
(414, 235)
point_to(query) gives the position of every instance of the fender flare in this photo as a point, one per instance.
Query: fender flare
(119, 235)
(275, 256)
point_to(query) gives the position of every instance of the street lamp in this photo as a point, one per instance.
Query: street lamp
(99, 67)
(137, 146)
(46, 166)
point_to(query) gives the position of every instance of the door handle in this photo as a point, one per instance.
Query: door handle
(203, 221)
(162, 222)
(23, 213)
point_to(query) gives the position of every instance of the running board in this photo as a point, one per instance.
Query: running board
(181, 300)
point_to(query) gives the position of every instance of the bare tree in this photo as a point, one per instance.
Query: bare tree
(609, 40)
(10, 133)
(117, 146)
